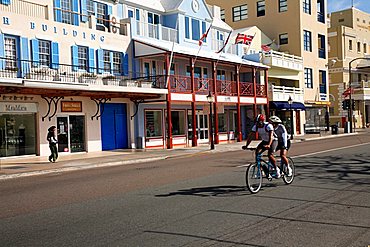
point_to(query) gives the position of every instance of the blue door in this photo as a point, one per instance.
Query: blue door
(114, 127)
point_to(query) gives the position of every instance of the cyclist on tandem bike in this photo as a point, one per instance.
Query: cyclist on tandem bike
(269, 142)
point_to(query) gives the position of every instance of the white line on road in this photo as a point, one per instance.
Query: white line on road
(320, 152)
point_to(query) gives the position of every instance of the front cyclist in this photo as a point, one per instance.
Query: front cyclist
(269, 142)
(283, 142)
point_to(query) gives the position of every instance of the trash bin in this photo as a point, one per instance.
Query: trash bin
(334, 129)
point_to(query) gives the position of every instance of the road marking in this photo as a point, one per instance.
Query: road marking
(329, 150)
(320, 152)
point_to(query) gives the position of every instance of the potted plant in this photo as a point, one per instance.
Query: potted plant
(110, 80)
(89, 78)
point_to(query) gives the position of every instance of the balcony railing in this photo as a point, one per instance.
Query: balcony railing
(218, 44)
(63, 73)
(180, 84)
(169, 34)
(26, 8)
(282, 93)
(155, 31)
(283, 60)
(226, 88)
(246, 89)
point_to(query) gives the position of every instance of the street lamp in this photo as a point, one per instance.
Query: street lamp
(350, 113)
(290, 102)
(211, 99)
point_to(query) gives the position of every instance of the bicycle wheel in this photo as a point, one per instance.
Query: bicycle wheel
(253, 178)
(289, 179)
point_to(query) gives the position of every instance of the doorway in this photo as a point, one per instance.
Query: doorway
(71, 134)
(201, 126)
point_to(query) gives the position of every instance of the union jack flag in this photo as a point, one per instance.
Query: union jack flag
(244, 39)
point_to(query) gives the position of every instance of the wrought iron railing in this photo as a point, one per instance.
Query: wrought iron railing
(27, 8)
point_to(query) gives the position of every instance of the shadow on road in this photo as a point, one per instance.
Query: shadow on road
(225, 190)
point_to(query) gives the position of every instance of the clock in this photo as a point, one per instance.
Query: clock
(195, 5)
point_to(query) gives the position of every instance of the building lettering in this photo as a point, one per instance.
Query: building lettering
(15, 108)
(6, 21)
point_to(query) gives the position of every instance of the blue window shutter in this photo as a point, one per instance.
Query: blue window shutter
(6, 2)
(35, 52)
(2, 52)
(187, 31)
(109, 9)
(125, 68)
(54, 55)
(91, 60)
(74, 49)
(100, 58)
(75, 16)
(57, 12)
(84, 17)
(25, 64)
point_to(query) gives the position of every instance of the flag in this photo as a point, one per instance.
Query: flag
(204, 36)
(227, 41)
(347, 92)
(244, 39)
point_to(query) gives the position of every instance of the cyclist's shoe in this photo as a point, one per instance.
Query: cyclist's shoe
(244, 147)
(290, 171)
(277, 173)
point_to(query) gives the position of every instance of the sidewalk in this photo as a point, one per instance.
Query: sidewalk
(36, 165)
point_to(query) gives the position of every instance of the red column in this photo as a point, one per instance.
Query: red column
(214, 76)
(193, 105)
(239, 125)
(169, 120)
(255, 90)
(267, 97)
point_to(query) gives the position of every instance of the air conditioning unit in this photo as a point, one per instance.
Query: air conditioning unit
(101, 27)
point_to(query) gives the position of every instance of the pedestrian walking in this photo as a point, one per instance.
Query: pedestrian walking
(52, 139)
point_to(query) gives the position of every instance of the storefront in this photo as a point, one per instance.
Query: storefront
(17, 129)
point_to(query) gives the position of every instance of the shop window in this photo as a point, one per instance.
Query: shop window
(153, 123)
(178, 122)
(17, 134)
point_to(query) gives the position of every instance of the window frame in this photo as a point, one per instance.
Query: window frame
(308, 77)
(283, 41)
(307, 7)
(240, 12)
(45, 52)
(261, 8)
(283, 5)
(158, 124)
(10, 55)
(307, 40)
(222, 15)
(66, 11)
(83, 57)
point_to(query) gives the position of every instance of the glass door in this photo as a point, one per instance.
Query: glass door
(71, 134)
(201, 126)
(63, 134)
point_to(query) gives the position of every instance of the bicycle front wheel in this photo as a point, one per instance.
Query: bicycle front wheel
(289, 179)
(253, 178)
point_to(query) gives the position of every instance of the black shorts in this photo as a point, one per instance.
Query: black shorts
(281, 146)
(272, 148)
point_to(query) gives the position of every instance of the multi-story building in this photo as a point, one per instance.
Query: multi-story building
(299, 28)
(349, 40)
(116, 75)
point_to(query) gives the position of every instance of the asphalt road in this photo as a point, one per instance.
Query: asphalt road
(197, 200)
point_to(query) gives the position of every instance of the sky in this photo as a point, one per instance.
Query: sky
(336, 5)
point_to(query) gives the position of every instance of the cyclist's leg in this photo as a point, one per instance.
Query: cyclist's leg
(271, 152)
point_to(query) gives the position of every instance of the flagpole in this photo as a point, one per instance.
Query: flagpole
(204, 36)
(171, 56)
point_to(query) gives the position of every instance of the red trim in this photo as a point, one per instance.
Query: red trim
(194, 142)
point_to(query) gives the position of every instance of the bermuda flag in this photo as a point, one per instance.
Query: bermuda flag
(244, 39)
(204, 36)
(347, 92)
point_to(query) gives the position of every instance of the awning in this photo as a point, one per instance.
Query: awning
(283, 105)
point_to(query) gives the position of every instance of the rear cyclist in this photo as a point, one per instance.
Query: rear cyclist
(283, 142)
(269, 141)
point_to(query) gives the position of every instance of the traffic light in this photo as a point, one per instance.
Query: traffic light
(345, 104)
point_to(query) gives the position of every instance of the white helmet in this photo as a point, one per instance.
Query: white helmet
(275, 119)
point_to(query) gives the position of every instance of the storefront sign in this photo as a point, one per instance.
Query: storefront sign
(71, 106)
(14, 107)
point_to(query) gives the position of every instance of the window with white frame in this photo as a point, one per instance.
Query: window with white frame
(112, 62)
(283, 5)
(101, 13)
(106, 56)
(307, 6)
(261, 8)
(308, 78)
(82, 57)
(10, 52)
(153, 123)
(90, 7)
(44, 52)
(307, 40)
(66, 6)
(240, 12)
(117, 62)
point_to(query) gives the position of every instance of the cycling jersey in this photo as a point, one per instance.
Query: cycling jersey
(264, 132)
(282, 135)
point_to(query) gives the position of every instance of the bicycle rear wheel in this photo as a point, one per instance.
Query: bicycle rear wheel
(253, 178)
(289, 179)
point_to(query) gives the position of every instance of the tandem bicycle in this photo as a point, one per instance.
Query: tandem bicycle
(263, 168)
